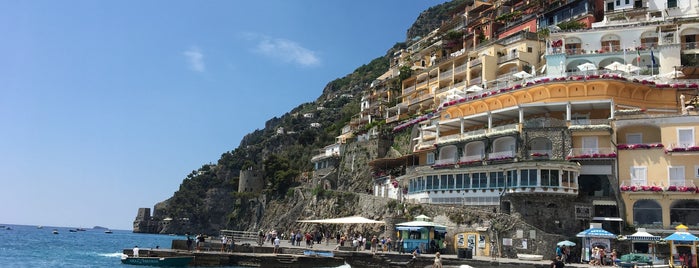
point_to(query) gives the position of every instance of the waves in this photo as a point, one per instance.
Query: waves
(111, 255)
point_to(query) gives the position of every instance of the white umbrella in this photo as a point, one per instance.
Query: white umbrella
(673, 74)
(587, 67)
(615, 66)
(522, 75)
(474, 88)
(630, 68)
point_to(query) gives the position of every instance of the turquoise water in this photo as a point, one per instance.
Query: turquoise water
(28, 246)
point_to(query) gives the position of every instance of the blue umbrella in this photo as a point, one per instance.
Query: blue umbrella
(682, 236)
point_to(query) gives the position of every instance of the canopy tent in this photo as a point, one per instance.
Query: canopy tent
(682, 238)
(594, 237)
(642, 235)
(596, 233)
(420, 224)
(630, 68)
(345, 220)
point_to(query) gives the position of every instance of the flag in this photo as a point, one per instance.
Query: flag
(652, 58)
(638, 59)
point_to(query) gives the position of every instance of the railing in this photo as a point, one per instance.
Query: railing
(544, 123)
(501, 155)
(540, 153)
(475, 81)
(461, 68)
(446, 74)
(681, 148)
(474, 133)
(422, 83)
(408, 90)
(508, 57)
(690, 45)
(470, 158)
(504, 128)
(474, 62)
(421, 98)
(589, 122)
(591, 153)
(447, 161)
(392, 119)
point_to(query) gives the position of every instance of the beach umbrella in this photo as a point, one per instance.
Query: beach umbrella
(474, 88)
(630, 68)
(596, 233)
(633, 257)
(522, 75)
(587, 67)
(616, 66)
(566, 243)
(673, 74)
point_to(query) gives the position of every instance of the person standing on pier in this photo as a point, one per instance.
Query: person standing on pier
(224, 242)
(276, 245)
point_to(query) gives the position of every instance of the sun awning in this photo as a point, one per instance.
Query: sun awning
(409, 228)
(345, 220)
(643, 236)
(607, 219)
(603, 203)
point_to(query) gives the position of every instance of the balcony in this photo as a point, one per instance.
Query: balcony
(474, 62)
(475, 81)
(470, 159)
(591, 154)
(446, 75)
(508, 57)
(444, 162)
(540, 154)
(408, 90)
(683, 149)
(460, 69)
(590, 125)
(679, 186)
(502, 155)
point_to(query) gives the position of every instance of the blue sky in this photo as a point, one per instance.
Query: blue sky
(107, 105)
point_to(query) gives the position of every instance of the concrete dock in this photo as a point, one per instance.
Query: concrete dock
(249, 255)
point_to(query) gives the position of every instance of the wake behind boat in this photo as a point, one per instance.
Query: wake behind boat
(179, 261)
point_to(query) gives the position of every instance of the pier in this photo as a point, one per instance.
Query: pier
(248, 255)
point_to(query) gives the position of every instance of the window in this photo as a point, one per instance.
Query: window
(497, 179)
(671, 3)
(638, 176)
(528, 177)
(549, 177)
(676, 175)
(480, 180)
(467, 181)
(580, 119)
(430, 158)
(634, 138)
(685, 137)
(647, 212)
(589, 145)
(450, 181)
(512, 178)
(459, 181)
(428, 185)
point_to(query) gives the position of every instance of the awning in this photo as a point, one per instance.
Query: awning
(409, 228)
(607, 219)
(345, 220)
(603, 203)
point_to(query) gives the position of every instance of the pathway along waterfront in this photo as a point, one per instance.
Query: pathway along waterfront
(247, 254)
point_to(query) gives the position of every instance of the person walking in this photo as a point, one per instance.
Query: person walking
(437, 260)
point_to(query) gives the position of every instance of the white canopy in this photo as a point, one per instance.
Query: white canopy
(420, 224)
(616, 66)
(642, 235)
(345, 220)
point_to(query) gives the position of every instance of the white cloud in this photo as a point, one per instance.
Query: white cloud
(285, 50)
(195, 59)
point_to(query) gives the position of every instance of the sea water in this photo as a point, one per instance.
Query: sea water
(30, 246)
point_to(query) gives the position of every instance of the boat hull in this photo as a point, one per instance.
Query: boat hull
(159, 261)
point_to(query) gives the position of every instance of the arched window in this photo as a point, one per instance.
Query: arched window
(647, 212)
(448, 154)
(685, 212)
(540, 146)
